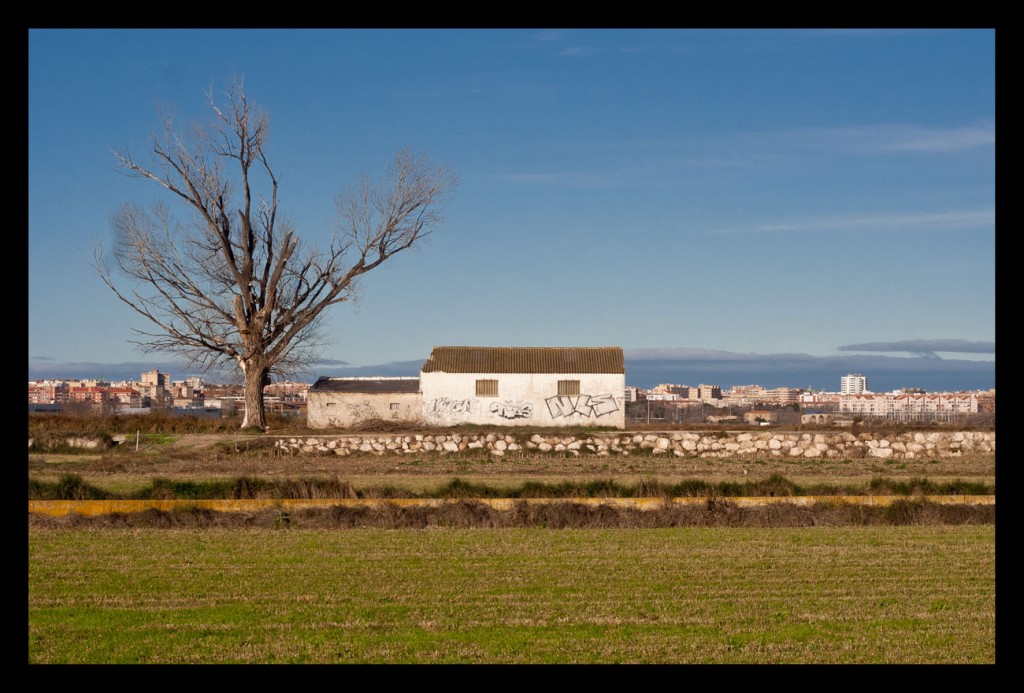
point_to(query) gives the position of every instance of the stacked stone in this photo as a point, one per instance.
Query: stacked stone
(680, 444)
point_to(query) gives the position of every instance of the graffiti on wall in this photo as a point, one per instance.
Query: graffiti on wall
(444, 406)
(584, 405)
(359, 411)
(512, 410)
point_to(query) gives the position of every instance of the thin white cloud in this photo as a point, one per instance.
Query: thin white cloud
(874, 222)
(748, 150)
(745, 160)
(576, 180)
(577, 51)
(885, 139)
(760, 148)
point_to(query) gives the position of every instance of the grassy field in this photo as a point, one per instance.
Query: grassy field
(291, 594)
(808, 595)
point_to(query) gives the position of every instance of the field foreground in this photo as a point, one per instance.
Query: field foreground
(917, 594)
(276, 588)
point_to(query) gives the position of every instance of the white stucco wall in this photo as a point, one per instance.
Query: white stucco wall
(340, 409)
(524, 400)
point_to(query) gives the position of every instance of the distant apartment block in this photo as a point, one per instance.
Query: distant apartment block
(813, 398)
(155, 378)
(634, 394)
(664, 397)
(101, 397)
(154, 387)
(909, 407)
(853, 384)
(745, 395)
(87, 382)
(681, 391)
(287, 391)
(707, 392)
(48, 392)
(742, 395)
(987, 401)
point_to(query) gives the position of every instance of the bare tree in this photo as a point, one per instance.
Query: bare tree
(232, 281)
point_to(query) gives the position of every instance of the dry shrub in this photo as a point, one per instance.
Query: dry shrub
(723, 512)
(680, 516)
(381, 426)
(961, 514)
(183, 517)
(464, 514)
(563, 515)
(844, 514)
(398, 517)
(783, 515)
(904, 512)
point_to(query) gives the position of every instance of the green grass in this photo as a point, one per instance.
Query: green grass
(809, 595)
(156, 439)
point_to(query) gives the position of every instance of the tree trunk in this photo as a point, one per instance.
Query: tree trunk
(255, 412)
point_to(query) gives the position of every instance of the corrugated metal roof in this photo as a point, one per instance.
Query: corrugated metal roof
(462, 359)
(367, 385)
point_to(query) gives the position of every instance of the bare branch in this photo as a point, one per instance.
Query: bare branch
(226, 283)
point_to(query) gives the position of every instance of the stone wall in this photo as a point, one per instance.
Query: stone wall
(839, 445)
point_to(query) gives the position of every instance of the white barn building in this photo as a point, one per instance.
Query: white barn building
(537, 386)
(341, 402)
(488, 386)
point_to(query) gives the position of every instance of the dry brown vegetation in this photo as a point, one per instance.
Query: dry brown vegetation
(467, 514)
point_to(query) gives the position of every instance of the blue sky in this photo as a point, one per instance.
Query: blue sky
(748, 191)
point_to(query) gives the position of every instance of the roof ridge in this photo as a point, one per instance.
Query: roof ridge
(491, 359)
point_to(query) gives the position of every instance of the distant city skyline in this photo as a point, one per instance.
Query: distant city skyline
(814, 197)
(647, 368)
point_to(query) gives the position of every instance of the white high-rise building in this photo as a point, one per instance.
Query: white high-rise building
(853, 384)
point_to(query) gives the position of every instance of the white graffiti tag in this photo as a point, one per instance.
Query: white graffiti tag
(584, 405)
(443, 405)
(512, 410)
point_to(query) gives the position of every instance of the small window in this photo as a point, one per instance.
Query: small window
(486, 388)
(395, 406)
(569, 387)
